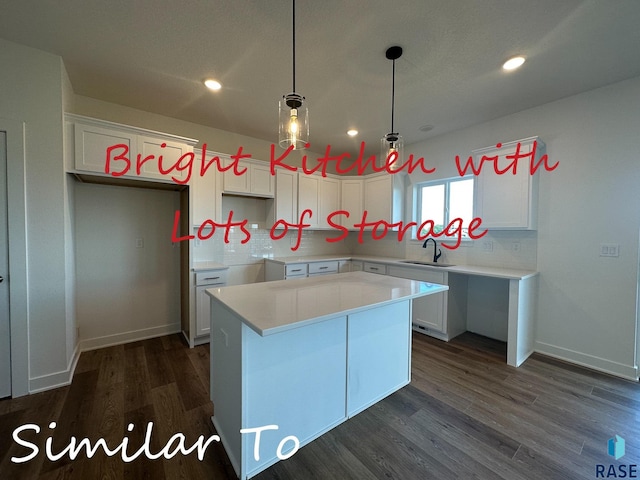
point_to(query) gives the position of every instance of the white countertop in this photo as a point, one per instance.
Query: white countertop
(200, 266)
(272, 307)
(496, 272)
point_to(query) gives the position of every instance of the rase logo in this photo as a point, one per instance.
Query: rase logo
(616, 449)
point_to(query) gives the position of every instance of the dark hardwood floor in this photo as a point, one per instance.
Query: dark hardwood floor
(465, 415)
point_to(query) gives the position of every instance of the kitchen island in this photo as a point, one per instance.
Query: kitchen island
(292, 359)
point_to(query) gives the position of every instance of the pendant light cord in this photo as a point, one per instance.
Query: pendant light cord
(393, 92)
(294, 45)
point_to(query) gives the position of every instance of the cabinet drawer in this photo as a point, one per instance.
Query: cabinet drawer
(323, 267)
(298, 269)
(375, 268)
(211, 277)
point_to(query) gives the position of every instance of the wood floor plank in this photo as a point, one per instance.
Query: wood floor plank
(137, 382)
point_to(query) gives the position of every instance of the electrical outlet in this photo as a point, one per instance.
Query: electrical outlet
(609, 249)
(139, 242)
(515, 246)
(487, 246)
(197, 242)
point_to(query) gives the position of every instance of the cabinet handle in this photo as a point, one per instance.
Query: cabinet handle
(212, 278)
(373, 268)
(297, 270)
(323, 268)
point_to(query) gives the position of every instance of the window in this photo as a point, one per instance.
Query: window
(443, 201)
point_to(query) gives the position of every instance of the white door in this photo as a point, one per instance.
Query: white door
(5, 337)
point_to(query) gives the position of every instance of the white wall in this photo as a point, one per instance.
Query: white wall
(31, 92)
(587, 304)
(125, 290)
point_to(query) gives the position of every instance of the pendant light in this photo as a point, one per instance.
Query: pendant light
(392, 144)
(293, 114)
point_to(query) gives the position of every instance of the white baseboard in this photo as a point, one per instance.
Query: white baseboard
(63, 378)
(590, 361)
(127, 337)
(58, 379)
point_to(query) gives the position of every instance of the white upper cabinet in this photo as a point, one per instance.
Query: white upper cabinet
(255, 181)
(321, 195)
(309, 198)
(352, 201)
(508, 201)
(383, 197)
(154, 148)
(262, 182)
(206, 194)
(285, 204)
(113, 150)
(330, 193)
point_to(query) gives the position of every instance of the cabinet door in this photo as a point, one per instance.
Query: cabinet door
(203, 311)
(92, 143)
(429, 311)
(232, 183)
(156, 152)
(344, 266)
(206, 197)
(309, 197)
(507, 201)
(261, 181)
(377, 198)
(352, 201)
(286, 198)
(329, 199)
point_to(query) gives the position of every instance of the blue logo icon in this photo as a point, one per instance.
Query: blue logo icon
(616, 447)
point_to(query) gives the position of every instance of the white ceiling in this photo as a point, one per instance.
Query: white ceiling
(153, 56)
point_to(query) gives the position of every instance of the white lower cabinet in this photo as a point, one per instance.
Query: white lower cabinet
(429, 314)
(280, 271)
(323, 268)
(204, 280)
(295, 271)
(357, 265)
(371, 267)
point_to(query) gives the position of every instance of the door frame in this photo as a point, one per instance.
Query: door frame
(17, 233)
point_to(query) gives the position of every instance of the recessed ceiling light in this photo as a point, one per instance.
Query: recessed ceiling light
(513, 63)
(426, 128)
(352, 132)
(212, 84)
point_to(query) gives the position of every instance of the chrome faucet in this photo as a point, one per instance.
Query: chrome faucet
(437, 253)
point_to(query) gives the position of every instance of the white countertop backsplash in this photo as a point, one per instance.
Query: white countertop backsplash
(261, 246)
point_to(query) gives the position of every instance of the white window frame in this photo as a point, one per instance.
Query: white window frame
(417, 202)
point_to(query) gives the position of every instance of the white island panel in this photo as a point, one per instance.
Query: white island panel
(294, 380)
(379, 360)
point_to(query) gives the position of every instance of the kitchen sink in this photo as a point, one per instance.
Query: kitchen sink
(429, 264)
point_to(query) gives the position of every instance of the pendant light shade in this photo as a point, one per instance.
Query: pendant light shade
(392, 144)
(293, 129)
